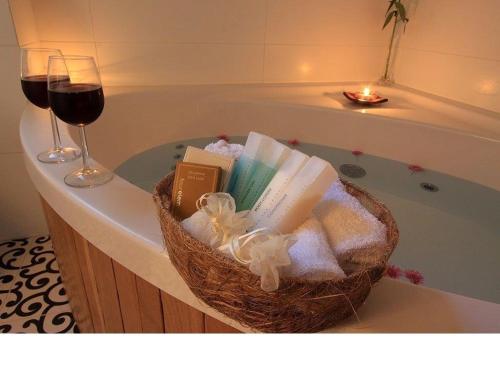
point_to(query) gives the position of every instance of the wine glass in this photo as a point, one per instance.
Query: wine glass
(34, 63)
(76, 97)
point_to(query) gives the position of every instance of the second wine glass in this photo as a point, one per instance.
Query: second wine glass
(78, 101)
(34, 63)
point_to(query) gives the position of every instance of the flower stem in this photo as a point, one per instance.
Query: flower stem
(388, 62)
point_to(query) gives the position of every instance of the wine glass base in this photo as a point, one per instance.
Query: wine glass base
(87, 178)
(62, 155)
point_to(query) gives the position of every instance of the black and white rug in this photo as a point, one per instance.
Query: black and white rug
(32, 296)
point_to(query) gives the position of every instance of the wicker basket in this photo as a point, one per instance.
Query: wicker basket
(298, 305)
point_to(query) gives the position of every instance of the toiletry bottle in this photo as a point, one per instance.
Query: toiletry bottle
(270, 160)
(276, 188)
(256, 167)
(254, 145)
(300, 196)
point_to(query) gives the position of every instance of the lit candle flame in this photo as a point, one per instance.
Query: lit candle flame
(366, 91)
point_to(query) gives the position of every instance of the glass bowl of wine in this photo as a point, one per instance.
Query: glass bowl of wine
(77, 98)
(34, 66)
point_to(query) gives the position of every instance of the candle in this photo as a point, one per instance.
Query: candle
(365, 97)
(366, 94)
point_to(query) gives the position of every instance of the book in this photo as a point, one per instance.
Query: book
(199, 156)
(191, 181)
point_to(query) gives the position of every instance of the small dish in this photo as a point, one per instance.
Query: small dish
(359, 98)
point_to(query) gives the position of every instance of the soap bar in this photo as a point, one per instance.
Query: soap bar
(199, 156)
(191, 181)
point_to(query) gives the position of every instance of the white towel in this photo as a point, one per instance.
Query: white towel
(221, 147)
(348, 225)
(311, 256)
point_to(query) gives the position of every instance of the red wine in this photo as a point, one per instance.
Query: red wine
(35, 90)
(76, 104)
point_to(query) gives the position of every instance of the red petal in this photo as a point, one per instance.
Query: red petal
(294, 142)
(393, 271)
(224, 137)
(357, 152)
(415, 168)
(414, 276)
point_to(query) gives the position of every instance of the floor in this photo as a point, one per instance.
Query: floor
(32, 296)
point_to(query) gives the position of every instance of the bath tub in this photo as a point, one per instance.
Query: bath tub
(119, 219)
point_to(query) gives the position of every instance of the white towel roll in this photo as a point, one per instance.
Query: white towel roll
(311, 256)
(348, 225)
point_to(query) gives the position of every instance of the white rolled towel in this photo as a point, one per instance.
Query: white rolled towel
(221, 147)
(348, 225)
(311, 256)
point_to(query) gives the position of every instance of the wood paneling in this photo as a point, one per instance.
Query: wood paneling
(82, 251)
(151, 310)
(65, 251)
(129, 300)
(216, 326)
(180, 317)
(107, 297)
(106, 289)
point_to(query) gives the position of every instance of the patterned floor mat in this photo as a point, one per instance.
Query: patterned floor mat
(32, 296)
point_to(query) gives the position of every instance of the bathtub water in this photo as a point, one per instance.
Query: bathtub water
(450, 235)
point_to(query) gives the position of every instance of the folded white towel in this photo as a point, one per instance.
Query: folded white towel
(221, 147)
(348, 225)
(311, 256)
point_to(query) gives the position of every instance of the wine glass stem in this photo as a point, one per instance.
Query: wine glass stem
(85, 150)
(55, 131)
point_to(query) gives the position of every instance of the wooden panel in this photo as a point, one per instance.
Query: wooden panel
(65, 251)
(107, 297)
(82, 251)
(129, 300)
(150, 307)
(216, 326)
(180, 317)
(106, 289)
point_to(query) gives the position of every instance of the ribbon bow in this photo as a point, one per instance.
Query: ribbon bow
(220, 208)
(264, 251)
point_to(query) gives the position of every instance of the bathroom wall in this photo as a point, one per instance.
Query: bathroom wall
(20, 212)
(156, 42)
(451, 48)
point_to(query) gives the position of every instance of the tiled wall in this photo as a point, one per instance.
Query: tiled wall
(20, 212)
(451, 48)
(155, 42)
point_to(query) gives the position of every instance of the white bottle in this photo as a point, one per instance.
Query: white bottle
(270, 197)
(300, 196)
